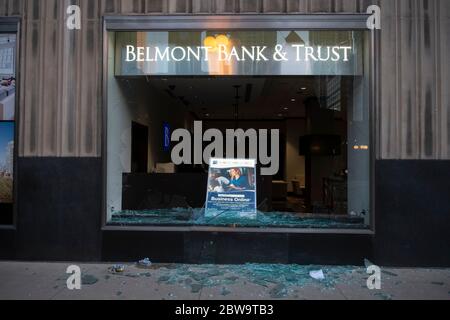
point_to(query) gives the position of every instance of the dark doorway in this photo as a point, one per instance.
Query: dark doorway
(139, 148)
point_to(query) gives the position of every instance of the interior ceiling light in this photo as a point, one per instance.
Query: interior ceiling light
(210, 42)
(213, 43)
(222, 40)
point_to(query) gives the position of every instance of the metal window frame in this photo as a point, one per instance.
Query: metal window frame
(237, 22)
(12, 25)
(247, 22)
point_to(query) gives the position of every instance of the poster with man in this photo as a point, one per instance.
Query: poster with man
(231, 188)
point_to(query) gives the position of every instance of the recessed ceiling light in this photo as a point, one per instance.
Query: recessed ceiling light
(286, 108)
(303, 88)
(293, 100)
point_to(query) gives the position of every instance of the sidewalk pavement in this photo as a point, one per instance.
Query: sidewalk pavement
(23, 280)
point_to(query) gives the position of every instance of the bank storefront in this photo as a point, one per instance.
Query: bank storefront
(221, 138)
(295, 100)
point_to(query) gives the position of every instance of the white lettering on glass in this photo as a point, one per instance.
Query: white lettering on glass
(238, 54)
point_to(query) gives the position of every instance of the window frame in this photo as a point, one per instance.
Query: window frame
(12, 25)
(310, 22)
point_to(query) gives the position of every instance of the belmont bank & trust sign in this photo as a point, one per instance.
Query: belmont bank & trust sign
(239, 54)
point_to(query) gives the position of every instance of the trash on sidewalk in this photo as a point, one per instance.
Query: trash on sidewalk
(145, 263)
(317, 274)
(117, 268)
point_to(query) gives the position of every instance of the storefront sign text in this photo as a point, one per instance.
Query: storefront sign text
(239, 54)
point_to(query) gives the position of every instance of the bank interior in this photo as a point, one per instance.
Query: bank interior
(323, 155)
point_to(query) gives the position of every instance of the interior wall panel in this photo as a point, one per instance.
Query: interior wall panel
(60, 102)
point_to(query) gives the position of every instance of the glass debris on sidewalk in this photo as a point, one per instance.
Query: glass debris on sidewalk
(279, 279)
(144, 263)
(117, 268)
(254, 281)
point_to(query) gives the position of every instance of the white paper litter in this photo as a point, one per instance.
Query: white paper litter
(317, 274)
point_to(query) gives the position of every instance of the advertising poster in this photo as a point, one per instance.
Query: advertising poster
(7, 77)
(6, 161)
(231, 188)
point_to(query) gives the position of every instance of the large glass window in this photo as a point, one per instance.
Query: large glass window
(294, 101)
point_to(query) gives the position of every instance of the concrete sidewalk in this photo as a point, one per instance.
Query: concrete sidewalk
(21, 280)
